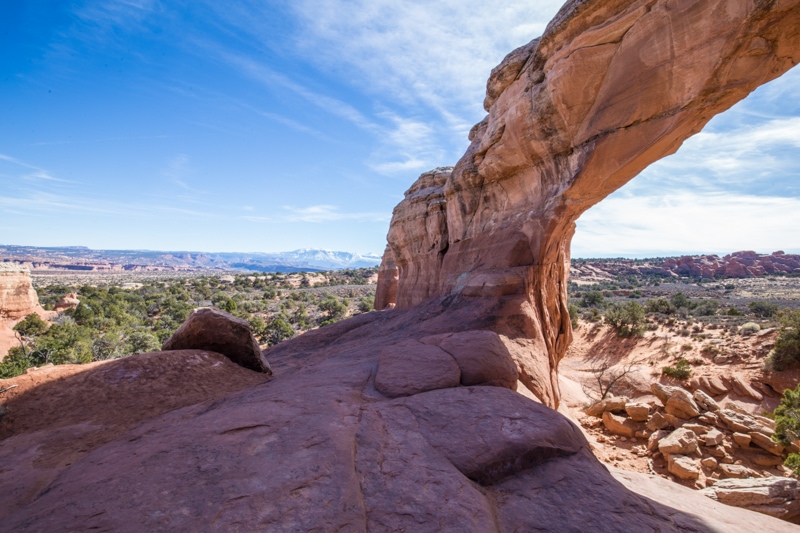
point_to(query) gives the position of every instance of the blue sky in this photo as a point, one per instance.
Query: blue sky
(271, 125)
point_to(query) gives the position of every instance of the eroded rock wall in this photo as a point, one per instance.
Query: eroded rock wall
(17, 297)
(610, 87)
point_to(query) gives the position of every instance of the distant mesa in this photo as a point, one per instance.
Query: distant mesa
(83, 259)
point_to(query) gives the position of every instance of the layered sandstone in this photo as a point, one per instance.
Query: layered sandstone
(17, 297)
(610, 87)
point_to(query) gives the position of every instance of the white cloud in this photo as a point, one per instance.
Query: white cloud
(687, 222)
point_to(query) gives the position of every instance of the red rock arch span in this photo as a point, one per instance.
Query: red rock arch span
(611, 87)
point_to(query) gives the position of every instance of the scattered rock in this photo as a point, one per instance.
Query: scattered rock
(637, 411)
(677, 401)
(705, 401)
(736, 471)
(683, 467)
(619, 425)
(657, 421)
(710, 463)
(653, 440)
(773, 496)
(766, 443)
(674, 421)
(681, 441)
(411, 367)
(613, 405)
(709, 418)
(742, 439)
(713, 437)
(699, 429)
(217, 331)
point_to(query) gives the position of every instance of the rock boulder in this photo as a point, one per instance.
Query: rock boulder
(217, 331)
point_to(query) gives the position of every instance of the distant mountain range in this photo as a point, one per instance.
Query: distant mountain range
(79, 258)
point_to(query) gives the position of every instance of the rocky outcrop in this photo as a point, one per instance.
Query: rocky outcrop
(217, 331)
(608, 89)
(745, 264)
(17, 296)
(68, 301)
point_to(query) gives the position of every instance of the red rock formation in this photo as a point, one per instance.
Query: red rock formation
(610, 87)
(68, 301)
(17, 297)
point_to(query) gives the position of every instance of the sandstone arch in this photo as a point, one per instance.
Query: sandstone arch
(610, 87)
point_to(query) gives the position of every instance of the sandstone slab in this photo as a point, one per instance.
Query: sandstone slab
(482, 357)
(774, 496)
(411, 367)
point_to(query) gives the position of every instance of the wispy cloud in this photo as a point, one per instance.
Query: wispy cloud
(317, 214)
(33, 172)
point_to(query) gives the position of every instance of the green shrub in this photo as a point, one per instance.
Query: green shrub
(15, 363)
(593, 299)
(659, 305)
(763, 309)
(749, 328)
(31, 326)
(681, 370)
(706, 308)
(787, 425)
(786, 353)
(732, 311)
(626, 319)
(680, 300)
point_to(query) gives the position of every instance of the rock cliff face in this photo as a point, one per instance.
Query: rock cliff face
(17, 297)
(610, 87)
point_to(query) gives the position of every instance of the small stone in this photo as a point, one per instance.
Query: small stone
(710, 463)
(657, 421)
(683, 467)
(742, 439)
(637, 411)
(714, 437)
(681, 441)
(709, 418)
(619, 425)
